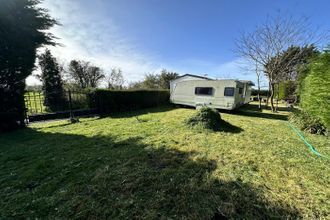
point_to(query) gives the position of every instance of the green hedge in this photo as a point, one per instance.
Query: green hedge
(254, 92)
(315, 95)
(286, 90)
(108, 101)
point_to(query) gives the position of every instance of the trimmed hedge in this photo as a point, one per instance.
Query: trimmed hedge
(315, 95)
(109, 101)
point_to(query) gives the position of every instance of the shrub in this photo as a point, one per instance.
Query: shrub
(108, 101)
(254, 92)
(206, 118)
(306, 122)
(8, 121)
(286, 90)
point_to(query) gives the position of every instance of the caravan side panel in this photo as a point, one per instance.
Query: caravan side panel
(221, 94)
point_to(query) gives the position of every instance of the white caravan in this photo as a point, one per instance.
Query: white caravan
(220, 94)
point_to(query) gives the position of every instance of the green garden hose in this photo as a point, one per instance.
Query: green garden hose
(314, 151)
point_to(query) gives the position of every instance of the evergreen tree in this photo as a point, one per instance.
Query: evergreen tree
(22, 30)
(52, 81)
(315, 96)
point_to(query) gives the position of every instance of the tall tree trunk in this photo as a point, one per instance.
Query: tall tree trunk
(272, 93)
(258, 81)
(259, 99)
(277, 96)
(268, 95)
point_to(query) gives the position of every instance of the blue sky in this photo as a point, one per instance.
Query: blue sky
(187, 36)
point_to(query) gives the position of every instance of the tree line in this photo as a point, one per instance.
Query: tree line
(81, 75)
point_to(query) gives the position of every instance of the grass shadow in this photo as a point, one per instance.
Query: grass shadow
(259, 114)
(135, 113)
(227, 127)
(252, 110)
(58, 175)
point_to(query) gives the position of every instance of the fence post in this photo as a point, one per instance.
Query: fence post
(70, 106)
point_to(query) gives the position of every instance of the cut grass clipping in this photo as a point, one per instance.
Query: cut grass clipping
(205, 118)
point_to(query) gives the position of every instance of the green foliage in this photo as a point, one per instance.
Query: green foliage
(156, 81)
(254, 92)
(286, 89)
(284, 65)
(306, 122)
(165, 77)
(52, 82)
(315, 95)
(22, 30)
(205, 118)
(108, 101)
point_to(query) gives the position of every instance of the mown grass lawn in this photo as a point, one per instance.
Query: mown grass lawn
(149, 165)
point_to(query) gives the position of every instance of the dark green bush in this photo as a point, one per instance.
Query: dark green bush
(307, 122)
(254, 92)
(108, 101)
(8, 121)
(206, 118)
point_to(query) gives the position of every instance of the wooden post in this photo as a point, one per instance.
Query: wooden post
(70, 106)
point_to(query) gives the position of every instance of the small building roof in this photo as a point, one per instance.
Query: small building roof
(247, 81)
(195, 76)
(207, 78)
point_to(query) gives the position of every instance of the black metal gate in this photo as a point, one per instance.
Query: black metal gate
(57, 105)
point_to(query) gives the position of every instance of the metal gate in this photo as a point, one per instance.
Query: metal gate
(57, 105)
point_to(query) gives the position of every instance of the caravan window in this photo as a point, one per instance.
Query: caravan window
(229, 91)
(203, 91)
(240, 91)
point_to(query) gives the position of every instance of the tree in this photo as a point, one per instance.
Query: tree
(288, 63)
(23, 29)
(269, 41)
(136, 85)
(156, 81)
(115, 80)
(165, 77)
(258, 73)
(95, 75)
(84, 74)
(151, 81)
(52, 81)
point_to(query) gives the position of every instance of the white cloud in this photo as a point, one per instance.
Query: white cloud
(88, 33)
